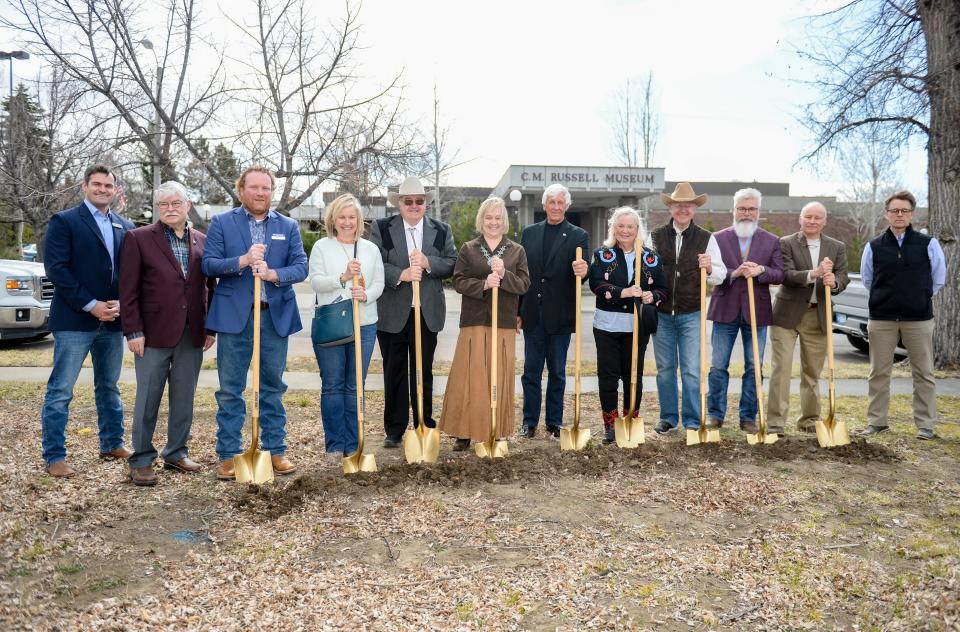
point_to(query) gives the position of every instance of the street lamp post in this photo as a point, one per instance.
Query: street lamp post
(157, 154)
(14, 54)
(515, 197)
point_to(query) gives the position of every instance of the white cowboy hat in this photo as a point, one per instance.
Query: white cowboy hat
(410, 186)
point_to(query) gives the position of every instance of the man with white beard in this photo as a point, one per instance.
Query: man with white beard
(748, 251)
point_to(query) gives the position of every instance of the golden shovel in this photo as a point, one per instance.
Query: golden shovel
(254, 465)
(629, 429)
(831, 432)
(420, 444)
(703, 434)
(358, 461)
(574, 438)
(761, 436)
(491, 448)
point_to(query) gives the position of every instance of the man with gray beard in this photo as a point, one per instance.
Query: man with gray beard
(748, 251)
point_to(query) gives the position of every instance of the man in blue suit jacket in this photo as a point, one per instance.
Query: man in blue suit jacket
(82, 256)
(247, 241)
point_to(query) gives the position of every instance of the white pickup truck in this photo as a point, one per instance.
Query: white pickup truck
(24, 300)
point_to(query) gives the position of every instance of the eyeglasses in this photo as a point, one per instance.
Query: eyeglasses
(748, 209)
(413, 201)
(176, 204)
(899, 211)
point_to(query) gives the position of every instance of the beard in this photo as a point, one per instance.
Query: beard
(745, 229)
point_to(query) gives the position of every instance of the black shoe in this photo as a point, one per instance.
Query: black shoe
(609, 435)
(663, 428)
(554, 431)
(748, 426)
(925, 434)
(391, 443)
(869, 431)
(529, 432)
(461, 445)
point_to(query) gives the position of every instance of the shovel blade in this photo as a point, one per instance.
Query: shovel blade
(702, 435)
(629, 432)
(253, 467)
(571, 439)
(762, 439)
(841, 436)
(831, 435)
(824, 436)
(359, 463)
(421, 448)
(491, 449)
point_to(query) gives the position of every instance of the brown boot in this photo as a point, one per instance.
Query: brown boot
(143, 476)
(119, 453)
(282, 465)
(60, 469)
(225, 470)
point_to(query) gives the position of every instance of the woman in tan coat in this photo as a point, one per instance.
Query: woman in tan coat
(489, 261)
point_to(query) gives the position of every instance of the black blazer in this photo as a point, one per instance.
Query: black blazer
(609, 275)
(552, 290)
(76, 260)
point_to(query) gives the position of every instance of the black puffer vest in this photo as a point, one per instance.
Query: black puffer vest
(902, 286)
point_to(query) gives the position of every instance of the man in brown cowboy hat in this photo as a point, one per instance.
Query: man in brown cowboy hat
(414, 248)
(684, 248)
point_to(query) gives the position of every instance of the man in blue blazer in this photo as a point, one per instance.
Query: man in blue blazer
(247, 241)
(82, 256)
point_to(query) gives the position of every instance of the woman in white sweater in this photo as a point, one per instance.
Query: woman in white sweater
(334, 260)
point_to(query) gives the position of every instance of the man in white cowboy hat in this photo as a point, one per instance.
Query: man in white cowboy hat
(684, 249)
(414, 248)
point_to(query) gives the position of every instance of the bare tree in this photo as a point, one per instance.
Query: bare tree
(104, 45)
(310, 123)
(635, 126)
(441, 156)
(894, 66)
(49, 138)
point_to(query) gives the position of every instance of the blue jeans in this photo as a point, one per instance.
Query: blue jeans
(539, 346)
(70, 349)
(724, 337)
(338, 391)
(677, 344)
(234, 352)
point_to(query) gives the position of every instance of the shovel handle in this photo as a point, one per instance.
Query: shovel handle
(418, 353)
(255, 364)
(576, 346)
(493, 364)
(358, 371)
(757, 379)
(635, 344)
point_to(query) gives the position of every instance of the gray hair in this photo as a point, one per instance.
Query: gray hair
(617, 213)
(556, 189)
(169, 189)
(812, 204)
(743, 194)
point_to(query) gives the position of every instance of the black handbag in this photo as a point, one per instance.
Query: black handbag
(333, 322)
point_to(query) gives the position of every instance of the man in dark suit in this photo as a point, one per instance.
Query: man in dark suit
(414, 248)
(164, 297)
(253, 240)
(546, 310)
(812, 262)
(748, 251)
(82, 259)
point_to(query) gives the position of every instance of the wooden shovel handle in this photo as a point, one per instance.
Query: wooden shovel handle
(418, 353)
(576, 346)
(358, 361)
(757, 369)
(635, 345)
(255, 364)
(493, 363)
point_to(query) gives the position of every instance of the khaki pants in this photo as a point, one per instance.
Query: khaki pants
(813, 350)
(917, 337)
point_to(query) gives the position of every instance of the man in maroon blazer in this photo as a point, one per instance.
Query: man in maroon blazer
(164, 297)
(748, 251)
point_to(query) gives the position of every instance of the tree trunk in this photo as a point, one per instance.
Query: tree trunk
(941, 25)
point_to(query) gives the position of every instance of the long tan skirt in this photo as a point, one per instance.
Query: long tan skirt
(466, 402)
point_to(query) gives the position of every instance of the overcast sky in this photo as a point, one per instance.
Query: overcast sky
(533, 81)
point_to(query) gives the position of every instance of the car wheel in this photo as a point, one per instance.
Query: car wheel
(859, 343)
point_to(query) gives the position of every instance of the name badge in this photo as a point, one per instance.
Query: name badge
(278, 236)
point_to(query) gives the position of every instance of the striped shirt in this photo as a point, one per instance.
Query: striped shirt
(180, 247)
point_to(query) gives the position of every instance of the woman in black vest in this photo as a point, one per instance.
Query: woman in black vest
(612, 280)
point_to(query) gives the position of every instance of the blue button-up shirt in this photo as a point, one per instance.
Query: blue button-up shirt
(106, 230)
(258, 235)
(938, 264)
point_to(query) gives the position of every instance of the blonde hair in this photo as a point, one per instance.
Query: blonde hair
(336, 207)
(617, 213)
(488, 204)
(254, 169)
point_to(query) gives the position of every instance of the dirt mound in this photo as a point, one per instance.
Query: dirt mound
(535, 463)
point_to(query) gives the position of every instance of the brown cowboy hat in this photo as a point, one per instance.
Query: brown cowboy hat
(410, 186)
(683, 193)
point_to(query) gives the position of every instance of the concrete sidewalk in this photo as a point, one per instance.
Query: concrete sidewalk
(310, 381)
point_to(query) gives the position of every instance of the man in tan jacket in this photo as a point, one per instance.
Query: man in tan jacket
(811, 262)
